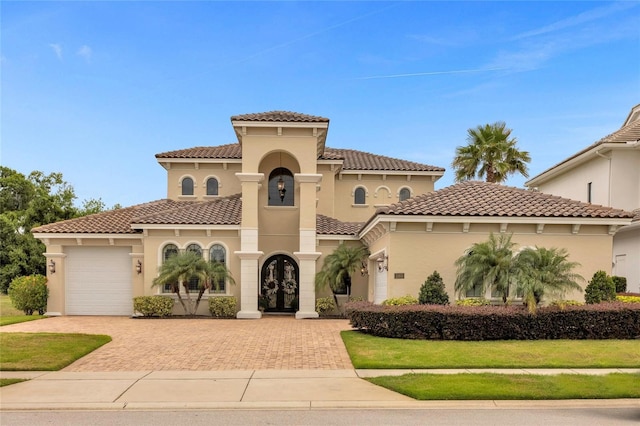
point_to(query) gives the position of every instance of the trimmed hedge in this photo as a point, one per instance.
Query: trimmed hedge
(29, 294)
(223, 306)
(600, 321)
(153, 306)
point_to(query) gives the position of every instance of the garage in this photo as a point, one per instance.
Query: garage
(98, 281)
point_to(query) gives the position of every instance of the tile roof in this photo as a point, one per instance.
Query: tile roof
(352, 159)
(280, 116)
(475, 198)
(219, 211)
(326, 225)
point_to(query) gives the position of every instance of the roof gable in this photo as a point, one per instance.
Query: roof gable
(280, 117)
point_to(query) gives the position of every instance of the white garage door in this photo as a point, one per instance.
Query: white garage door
(98, 281)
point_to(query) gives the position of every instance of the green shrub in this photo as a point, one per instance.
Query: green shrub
(223, 306)
(432, 292)
(620, 283)
(400, 301)
(627, 299)
(29, 294)
(153, 306)
(564, 303)
(356, 299)
(600, 289)
(473, 301)
(324, 305)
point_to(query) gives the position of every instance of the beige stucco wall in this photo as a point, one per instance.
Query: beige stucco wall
(228, 183)
(626, 256)
(625, 179)
(573, 183)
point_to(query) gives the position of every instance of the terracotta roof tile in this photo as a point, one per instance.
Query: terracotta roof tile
(474, 198)
(220, 211)
(326, 225)
(280, 116)
(229, 151)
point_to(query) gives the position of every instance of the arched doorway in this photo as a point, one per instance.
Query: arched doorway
(279, 287)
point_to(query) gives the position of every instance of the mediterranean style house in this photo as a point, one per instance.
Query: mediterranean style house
(274, 204)
(606, 173)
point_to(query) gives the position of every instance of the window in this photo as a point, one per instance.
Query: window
(187, 186)
(359, 196)
(168, 251)
(404, 194)
(476, 291)
(217, 253)
(212, 186)
(194, 282)
(281, 187)
(589, 187)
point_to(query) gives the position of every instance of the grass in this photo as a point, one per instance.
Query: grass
(7, 382)
(45, 351)
(512, 387)
(10, 315)
(368, 351)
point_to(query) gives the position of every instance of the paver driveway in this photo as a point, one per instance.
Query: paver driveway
(273, 342)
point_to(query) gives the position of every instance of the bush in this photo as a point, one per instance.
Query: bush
(153, 306)
(223, 306)
(400, 301)
(473, 301)
(600, 321)
(324, 305)
(432, 291)
(627, 299)
(600, 289)
(564, 303)
(29, 294)
(620, 283)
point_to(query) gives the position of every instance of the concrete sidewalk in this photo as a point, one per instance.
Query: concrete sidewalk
(246, 389)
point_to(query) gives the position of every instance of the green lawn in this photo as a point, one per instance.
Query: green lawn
(10, 315)
(7, 382)
(383, 353)
(45, 351)
(506, 387)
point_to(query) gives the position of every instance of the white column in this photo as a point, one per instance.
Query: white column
(249, 284)
(307, 295)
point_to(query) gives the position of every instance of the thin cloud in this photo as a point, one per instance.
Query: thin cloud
(85, 51)
(421, 74)
(57, 49)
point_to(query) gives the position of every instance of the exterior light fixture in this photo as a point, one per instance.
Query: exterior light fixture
(52, 266)
(383, 263)
(281, 188)
(363, 269)
(139, 267)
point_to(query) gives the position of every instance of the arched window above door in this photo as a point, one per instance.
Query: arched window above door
(281, 187)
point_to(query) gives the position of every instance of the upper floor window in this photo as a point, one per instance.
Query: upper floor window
(589, 191)
(359, 196)
(217, 253)
(187, 186)
(404, 194)
(212, 186)
(281, 187)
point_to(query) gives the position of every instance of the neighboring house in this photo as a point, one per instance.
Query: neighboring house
(606, 173)
(274, 204)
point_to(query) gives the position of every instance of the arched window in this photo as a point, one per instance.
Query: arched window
(194, 283)
(404, 194)
(217, 253)
(212, 186)
(359, 196)
(168, 251)
(187, 186)
(281, 187)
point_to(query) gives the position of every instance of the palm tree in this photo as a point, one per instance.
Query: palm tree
(491, 153)
(545, 272)
(179, 269)
(339, 266)
(487, 265)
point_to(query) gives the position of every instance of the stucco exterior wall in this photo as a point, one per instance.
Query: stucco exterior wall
(625, 179)
(626, 256)
(228, 183)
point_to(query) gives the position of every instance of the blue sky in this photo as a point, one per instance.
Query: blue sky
(95, 89)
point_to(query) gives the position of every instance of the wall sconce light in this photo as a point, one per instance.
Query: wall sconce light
(363, 269)
(139, 267)
(52, 266)
(281, 189)
(383, 263)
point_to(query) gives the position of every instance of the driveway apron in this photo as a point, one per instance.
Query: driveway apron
(273, 342)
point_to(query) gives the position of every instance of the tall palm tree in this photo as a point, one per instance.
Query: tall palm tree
(488, 266)
(339, 266)
(545, 272)
(491, 153)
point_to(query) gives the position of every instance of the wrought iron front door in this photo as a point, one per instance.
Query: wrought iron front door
(279, 284)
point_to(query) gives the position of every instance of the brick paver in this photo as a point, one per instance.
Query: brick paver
(273, 342)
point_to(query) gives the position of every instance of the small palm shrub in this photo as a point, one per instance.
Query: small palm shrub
(324, 305)
(29, 294)
(223, 306)
(620, 283)
(600, 289)
(432, 292)
(401, 301)
(473, 301)
(153, 306)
